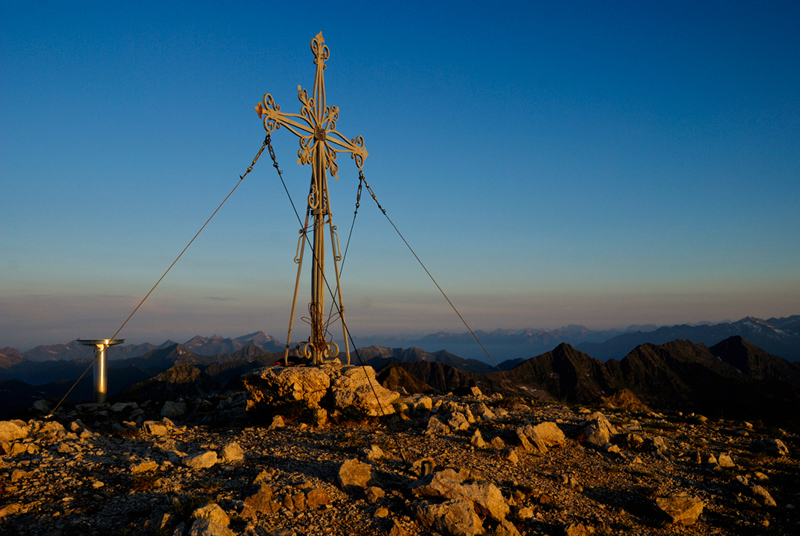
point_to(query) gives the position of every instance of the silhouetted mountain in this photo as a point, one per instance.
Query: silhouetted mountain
(397, 379)
(182, 380)
(736, 379)
(439, 376)
(10, 357)
(778, 336)
(216, 344)
(378, 356)
(564, 373)
(755, 363)
(42, 372)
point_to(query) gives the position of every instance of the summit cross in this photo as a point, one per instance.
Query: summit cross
(315, 125)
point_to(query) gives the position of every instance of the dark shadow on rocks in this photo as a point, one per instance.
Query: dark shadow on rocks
(634, 503)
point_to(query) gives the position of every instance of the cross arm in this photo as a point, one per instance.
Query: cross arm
(274, 118)
(355, 146)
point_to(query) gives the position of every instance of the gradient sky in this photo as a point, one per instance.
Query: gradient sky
(552, 163)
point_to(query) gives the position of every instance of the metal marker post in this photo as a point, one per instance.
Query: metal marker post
(100, 376)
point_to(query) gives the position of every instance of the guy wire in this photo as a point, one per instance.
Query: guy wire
(241, 178)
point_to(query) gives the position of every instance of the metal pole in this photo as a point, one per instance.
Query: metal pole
(100, 368)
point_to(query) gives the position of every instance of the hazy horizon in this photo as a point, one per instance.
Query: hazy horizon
(551, 164)
(388, 336)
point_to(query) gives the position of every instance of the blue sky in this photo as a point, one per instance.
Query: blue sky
(595, 163)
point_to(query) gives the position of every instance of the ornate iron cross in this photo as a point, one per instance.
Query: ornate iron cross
(315, 125)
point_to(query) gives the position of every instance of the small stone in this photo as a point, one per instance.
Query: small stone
(497, 442)
(373, 453)
(436, 427)
(277, 422)
(154, 428)
(458, 421)
(317, 497)
(397, 529)
(354, 473)
(232, 453)
(511, 455)
(203, 460)
(320, 417)
(762, 495)
(214, 513)
(423, 467)
(576, 529)
(456, 517)
(681, 509)
(477, 440)
(382, 512)
(374, 494)
(206, 527)
(144, 467)
(725, 460)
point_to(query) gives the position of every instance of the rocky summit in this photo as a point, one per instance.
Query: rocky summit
(437, 465)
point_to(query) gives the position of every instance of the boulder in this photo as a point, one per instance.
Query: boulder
(449, 484)
(49, 430)
(724, 460)
(775, 447)
(13, 430)
(497, 442)
(482, 410)
(271, 387)
(356, 387)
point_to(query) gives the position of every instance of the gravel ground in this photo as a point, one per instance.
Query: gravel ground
(93, 470)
